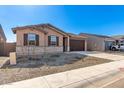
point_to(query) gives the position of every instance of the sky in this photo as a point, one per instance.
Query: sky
(104, 20)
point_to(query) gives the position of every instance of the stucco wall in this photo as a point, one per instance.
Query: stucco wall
(20, 36)
(52, 32)
(43, 42)
(6, 48)
(95, 44)
(9, 47)
(43, 38)
(2, 49)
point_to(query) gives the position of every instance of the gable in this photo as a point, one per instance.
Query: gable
(40, 27)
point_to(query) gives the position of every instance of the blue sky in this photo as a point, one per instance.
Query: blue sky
(105, 20)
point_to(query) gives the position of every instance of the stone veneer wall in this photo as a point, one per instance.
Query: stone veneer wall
(33, 50)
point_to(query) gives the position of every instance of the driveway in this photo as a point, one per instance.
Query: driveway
(114, 57)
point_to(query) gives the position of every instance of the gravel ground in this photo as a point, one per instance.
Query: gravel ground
(35, 66)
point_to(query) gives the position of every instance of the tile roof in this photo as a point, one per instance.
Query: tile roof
(39, 27)
(76, 36)
(102, 36)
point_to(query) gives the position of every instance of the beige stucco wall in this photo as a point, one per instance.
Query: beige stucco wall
(43, 42)
(42, 37)
(20, 36)
(52, 32)
(95, 44)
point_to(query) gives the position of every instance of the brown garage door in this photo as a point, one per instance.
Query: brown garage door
(77, 45)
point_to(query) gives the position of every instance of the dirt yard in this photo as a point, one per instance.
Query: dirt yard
(35, 66)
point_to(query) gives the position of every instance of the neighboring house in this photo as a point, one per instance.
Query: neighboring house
(5, 47)
(98, 42)
(2, 35)
(2, 41)
(41, 38)
(119, 39)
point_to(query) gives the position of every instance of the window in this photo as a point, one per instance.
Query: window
(31, 39)
(53, 41)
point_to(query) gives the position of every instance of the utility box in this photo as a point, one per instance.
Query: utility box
(12, 58)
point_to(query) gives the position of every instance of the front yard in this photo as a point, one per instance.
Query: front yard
(35, 66)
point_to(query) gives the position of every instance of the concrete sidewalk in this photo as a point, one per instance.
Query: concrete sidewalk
(102, 55)
(73, 78)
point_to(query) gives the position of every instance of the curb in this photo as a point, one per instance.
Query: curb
(88, 82)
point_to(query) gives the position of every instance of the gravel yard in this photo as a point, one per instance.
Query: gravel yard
(35, 66)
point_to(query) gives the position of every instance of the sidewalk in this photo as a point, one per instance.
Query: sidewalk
(74, 78)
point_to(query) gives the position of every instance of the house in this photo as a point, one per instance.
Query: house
(46, 38)
(98, 42)
(5, 47)
(2, 41)
(119, 39)
(2, 35)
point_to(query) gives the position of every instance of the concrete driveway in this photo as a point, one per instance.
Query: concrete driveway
(104, 55)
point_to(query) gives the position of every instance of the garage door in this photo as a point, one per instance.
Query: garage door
(77, 45)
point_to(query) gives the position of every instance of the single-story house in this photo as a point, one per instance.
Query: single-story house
(41, 38)
(2, 35)
(98, 42)
(2, 41)
(5, 47)
(119, 39)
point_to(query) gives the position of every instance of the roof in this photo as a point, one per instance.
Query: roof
(101, 36)
(39, 27)
(2, 33)
(76, 36)
(118, 37)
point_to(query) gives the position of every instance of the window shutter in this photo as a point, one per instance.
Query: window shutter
(49, 40)
(25, 39)
(37, 40)
(57, 38)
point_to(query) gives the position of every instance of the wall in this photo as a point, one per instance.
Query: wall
(36, 50)
(42, 37)
(9, 47)
(20, 34)
(1, 49)
(43, 42)
(95, 44)
(6, 48)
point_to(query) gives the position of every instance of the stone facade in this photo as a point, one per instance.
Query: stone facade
(25, 50)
